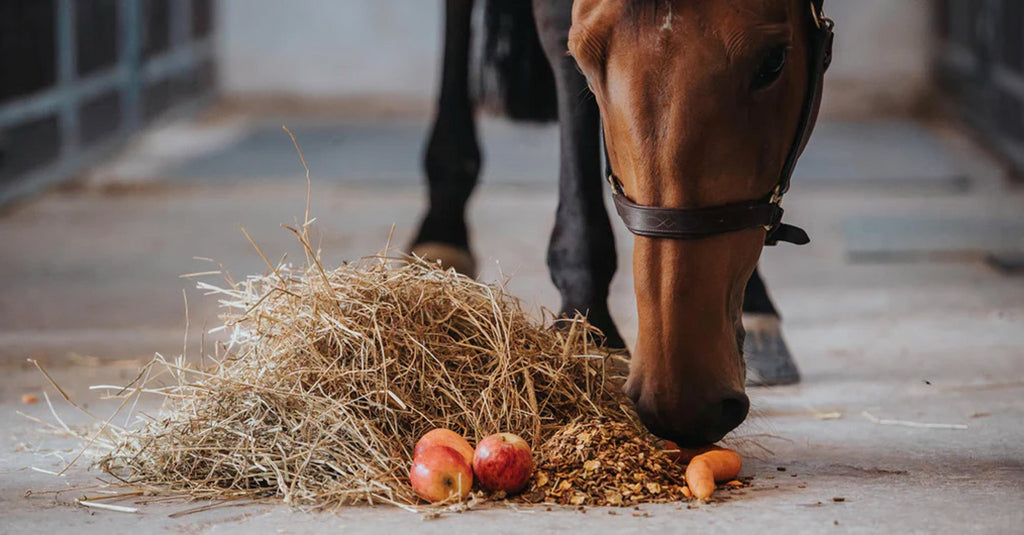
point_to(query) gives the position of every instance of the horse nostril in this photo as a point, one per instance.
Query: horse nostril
(734, 410)
(727, 414)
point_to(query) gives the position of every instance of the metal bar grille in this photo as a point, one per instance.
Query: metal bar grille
(53, 125)
(981, 64)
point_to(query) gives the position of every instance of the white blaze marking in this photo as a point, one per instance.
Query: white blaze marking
(667, 25)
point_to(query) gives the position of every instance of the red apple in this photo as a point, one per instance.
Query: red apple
(503, 462)
(439, 472)
(445, 437)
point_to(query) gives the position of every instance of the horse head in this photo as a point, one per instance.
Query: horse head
(701, 101)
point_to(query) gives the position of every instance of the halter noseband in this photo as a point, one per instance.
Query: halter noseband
(766, 212)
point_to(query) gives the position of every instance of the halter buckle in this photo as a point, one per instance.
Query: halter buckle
(776, 199)
(820, 19)
(616, 185)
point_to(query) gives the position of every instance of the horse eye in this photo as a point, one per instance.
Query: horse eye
(771, 67)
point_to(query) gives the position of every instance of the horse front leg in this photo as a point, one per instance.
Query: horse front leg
(452, 158)
(769, 362)
(581, 253)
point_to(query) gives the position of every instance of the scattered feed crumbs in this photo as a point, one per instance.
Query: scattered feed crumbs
(601, 463)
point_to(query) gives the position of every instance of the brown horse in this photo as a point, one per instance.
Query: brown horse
(705, 105)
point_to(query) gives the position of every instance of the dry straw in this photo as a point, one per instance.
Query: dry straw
(329, 378)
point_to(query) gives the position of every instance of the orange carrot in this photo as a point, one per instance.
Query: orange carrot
(687, 454)
(718, 464)
(700, 479)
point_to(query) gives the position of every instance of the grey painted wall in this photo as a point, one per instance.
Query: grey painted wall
(330, 48)
(340, 49)
(883, 55)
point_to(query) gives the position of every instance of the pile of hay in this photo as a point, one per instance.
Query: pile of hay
(330, 377)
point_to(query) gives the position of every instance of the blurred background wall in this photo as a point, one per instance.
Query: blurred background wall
(330, 49)
(883, 56)
(80, 77)
(358, 49)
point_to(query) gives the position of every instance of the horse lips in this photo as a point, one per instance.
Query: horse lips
(503, 462)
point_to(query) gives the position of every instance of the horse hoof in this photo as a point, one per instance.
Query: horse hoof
(613, 341)
(769, 362)
(448, 255)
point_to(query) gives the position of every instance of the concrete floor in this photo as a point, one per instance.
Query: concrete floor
(90, 287)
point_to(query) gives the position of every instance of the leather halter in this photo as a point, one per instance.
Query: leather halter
(765, 212)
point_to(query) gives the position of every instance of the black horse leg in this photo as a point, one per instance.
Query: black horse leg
(768, 359)
(755, 297)
(453, 156)
(581, 253)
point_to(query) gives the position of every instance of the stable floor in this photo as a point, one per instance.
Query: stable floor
(896, 311)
